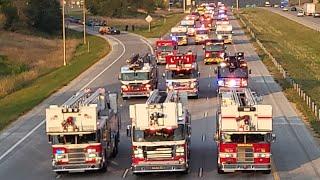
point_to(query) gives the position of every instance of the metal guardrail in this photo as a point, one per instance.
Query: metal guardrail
(306, 98)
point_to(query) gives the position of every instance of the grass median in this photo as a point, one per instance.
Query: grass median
(296, 48)
(18, 103)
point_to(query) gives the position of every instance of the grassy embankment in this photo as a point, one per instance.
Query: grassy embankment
(46, 74)
(162, 22)
(296, 48)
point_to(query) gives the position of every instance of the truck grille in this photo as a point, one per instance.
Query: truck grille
(160, 152)
(135, 86)
(76, 156)
(245, 154)
(225, 37)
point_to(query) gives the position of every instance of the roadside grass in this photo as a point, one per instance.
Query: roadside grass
(19, 102)
(267, 39)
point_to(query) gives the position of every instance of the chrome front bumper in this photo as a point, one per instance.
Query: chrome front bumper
(136, 94)
(158, 168)
(77, 167)
(245, 167)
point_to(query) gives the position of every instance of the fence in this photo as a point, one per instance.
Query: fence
(306, 98)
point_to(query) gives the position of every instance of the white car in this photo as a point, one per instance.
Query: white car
(285, 9)
(300, 14)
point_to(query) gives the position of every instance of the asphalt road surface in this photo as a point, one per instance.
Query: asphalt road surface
(295, 153)
(309, 21)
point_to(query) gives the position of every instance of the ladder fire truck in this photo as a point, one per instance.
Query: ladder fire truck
(163, 48)
(244, 132)
(139, 77)
(182, 73)
(160, 133)
(233, 73)
(84, 131)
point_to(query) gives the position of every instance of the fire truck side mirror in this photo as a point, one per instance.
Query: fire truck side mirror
(203, 47)
(216, 137)
(49, 139)
(225, 47)
(198, 74)
(189, 130)
(119, 76)
(215, 70)
(249, 71)
(163, 74)
(273, 138)
(129, 130)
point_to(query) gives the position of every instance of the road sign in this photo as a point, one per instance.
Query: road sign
(148, 18)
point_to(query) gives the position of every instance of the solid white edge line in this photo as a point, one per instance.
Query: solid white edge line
(43, 121)
(152, 51)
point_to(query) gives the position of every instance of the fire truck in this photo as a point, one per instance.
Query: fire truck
(182, 73)
(201, 34)
(233, 73)
(139, 77)
(214, 51)
(163, 48)
(179, 34)
(84, 131)
(160, 133)
(189, 23)
(224, 31)
(244, 132)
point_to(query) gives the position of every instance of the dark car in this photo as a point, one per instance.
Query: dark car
(293, 9)
(316, 15)
(115, 31)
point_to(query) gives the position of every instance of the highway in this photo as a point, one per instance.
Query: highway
(309, 21)
(295, 153)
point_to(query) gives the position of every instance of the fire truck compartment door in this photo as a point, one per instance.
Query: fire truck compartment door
(264, 117)
(228, 118)
(114, 102)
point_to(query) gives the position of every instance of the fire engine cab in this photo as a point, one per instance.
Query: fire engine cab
(84, 131)
(244, 132)
(179, 34)
(160, 133)
(182, 73)
(224, 31)
(139, 77)
(163, 48)
(214, 51)
(201, 34)
(233, 73)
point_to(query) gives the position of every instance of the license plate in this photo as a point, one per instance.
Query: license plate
(157, 168)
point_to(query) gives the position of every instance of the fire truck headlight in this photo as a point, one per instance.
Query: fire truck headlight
(181, 161)
(124, 87)
(179, 151)
(92, 155)
(221, 55)
(60, 156)
(223, 64)
(244, 83)
(219, 37)
(262, 155)
(220, 82)
(193, 84)
(91, 151)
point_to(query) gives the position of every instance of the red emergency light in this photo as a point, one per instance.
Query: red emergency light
(184, 59)
(165, 43)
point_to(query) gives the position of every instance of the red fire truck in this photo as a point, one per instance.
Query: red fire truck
(182, 73)
(214, 51)
(163, 48)
(84, 131)
(139, 77)
(233, 73)
(244, 132)
(161, 133)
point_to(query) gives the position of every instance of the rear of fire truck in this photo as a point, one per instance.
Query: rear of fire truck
(179, 34)
(244, 133)
(214, 51)
(160, 133)
(163, 48)
(189, 23)
(139, 77)
(224, 31)
(233, 73)
(182, 73)
(201, 34)
(84, 131)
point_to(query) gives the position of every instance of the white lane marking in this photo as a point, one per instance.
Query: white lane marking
(43, 121)
(58, 177)
(200, 172)
(205, 114)
(203, 138)
(125, 173)
(209, 85)
(152, 51)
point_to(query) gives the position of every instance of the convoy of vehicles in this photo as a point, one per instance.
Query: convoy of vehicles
(180, 35)
(214, 51)
(244, 132)
(182, 73)
(84, 131)
(163, 48)
(160, 132)
(139, 77)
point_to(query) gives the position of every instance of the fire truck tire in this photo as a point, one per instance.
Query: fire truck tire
(124, 98)
(60, 172)
(220, 171)
(266, 171)
(104, 166)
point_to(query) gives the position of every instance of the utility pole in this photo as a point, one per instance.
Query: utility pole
(64, 34)
(299, 3)
(84, 22)
(237, 5)
(184, 6)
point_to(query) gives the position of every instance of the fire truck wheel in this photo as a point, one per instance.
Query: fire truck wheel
(266, 171)
(60, 172)
(124, 98)
(220, 171)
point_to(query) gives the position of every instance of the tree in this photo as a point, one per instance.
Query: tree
(45, 15)
(10, 13)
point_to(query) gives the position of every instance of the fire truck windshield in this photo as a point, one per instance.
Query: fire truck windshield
(232, 73)
(244, 138)
(132, 76)
(182, 74)
(214, 48)
(165, 48)
(202, 32)
(224, 32)
(75, 139)
(159, 135)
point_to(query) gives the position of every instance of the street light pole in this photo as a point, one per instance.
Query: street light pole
(169, 6)
(84, 22)
(184, 6)
(237, 5)
(64, 34)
